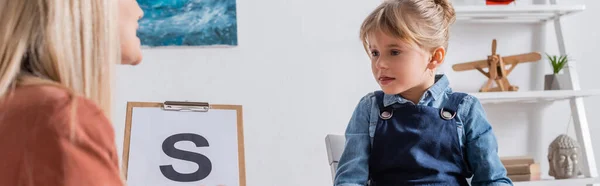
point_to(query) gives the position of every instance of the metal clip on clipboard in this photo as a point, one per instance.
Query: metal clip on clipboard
(186, 106)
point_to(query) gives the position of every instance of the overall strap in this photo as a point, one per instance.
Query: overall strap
(384, 112)
(455, 99)
(379, 99)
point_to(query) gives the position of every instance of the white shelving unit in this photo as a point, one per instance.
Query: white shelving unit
(510, 13)
(566, 182)
(533, 96)
(538, 15)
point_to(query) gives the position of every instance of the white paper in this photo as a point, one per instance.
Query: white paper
(151, 126)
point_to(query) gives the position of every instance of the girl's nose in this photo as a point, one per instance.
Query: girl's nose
(381, 63)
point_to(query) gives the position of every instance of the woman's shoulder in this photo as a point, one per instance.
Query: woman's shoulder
(41, 95)
(51, 105)
(35, 102)
(56, 123)
(48, 98)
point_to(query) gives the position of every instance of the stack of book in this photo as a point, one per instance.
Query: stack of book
(521, 168)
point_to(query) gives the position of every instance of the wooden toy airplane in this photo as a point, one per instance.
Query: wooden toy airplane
(497, 68)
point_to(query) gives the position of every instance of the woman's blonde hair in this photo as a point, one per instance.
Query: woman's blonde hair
(422, 23)
(66, 43)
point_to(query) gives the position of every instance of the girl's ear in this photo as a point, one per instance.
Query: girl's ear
(437, 58)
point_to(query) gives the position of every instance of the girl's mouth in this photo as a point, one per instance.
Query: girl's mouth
(384, 80)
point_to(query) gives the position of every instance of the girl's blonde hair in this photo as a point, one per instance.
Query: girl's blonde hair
(422, 23)
(66, 43)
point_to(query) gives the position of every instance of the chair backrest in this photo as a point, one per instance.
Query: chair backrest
(335, 147)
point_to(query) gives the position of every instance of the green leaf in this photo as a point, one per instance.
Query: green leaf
(557, 64)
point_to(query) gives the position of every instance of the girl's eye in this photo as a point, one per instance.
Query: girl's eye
(395, 52)
(374, 53)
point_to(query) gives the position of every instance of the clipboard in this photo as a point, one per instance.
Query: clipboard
(179, 106)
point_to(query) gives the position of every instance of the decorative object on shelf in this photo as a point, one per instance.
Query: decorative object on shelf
(521, 168)
(498, 2)
(563, 158)
(188, 23)
(554, 81)
(497, 68)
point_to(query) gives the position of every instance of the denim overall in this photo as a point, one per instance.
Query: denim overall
(417, 145)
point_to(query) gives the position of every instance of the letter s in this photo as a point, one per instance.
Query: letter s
(204, 164)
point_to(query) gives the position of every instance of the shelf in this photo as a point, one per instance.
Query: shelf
(532, 96)
(514, 13)
(565, 182)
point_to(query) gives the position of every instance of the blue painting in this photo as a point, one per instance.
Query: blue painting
(188, 23)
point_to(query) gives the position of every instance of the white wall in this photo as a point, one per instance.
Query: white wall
(300, 69)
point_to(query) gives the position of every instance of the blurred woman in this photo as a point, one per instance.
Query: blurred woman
(56, 65)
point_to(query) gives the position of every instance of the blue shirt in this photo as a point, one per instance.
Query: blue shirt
(475, 135)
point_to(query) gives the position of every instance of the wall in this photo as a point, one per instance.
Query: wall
(300, 69)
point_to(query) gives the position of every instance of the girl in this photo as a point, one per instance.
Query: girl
(416, 131)
(56, 63)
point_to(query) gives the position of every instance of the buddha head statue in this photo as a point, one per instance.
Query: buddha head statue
(563, 158)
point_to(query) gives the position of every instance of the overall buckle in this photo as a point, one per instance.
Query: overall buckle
(386, 114)
(446, 114)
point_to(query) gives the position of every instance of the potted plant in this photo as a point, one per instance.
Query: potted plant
(553, 81)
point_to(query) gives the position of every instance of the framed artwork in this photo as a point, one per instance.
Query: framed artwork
(188, 23)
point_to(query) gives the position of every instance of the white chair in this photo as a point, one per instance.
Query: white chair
(335, 147)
